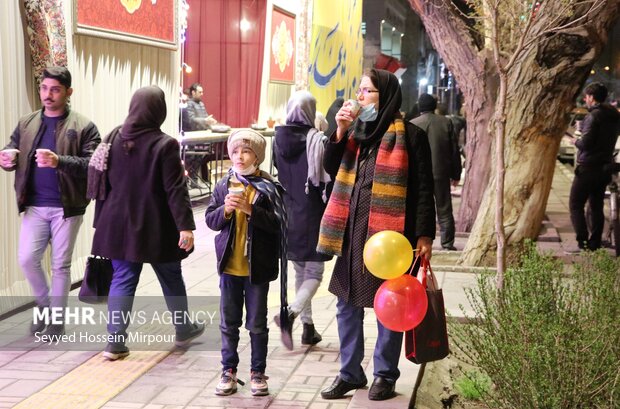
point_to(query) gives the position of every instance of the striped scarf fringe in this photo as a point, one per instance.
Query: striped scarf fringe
(389, 191)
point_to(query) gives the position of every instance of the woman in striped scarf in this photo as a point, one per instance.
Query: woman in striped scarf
(383, 181)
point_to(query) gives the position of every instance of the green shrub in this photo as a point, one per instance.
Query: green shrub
(547, 340)
(473, 385)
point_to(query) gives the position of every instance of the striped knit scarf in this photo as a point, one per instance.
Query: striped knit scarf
(389, 190)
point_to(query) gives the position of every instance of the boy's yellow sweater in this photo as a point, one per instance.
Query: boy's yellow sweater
(238, 264)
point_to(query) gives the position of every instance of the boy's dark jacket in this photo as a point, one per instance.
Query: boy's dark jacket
(263, 234)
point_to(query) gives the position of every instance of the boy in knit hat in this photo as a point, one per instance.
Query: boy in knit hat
(243, 210)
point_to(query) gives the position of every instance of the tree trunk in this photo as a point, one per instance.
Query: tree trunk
(476, 76)
(479, 107)
(542, 88)
(525, 197)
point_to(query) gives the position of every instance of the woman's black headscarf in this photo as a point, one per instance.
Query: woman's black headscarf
(147, 111)
(390, 99)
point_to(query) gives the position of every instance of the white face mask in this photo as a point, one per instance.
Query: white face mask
(368, 113)
(246, 171)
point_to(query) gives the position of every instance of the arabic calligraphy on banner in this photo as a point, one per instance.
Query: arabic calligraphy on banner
(282, 56)
(336, 50)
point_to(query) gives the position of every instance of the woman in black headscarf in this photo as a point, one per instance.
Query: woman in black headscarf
(372, 147)
(143, 214)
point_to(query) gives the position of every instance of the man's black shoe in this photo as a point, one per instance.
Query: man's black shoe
(449, 248)
(38, 325)
(338, 389)
(114, 351)
(381, 389)
(183, 339)
(54, 330)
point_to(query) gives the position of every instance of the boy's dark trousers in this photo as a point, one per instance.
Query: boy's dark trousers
(235, 291)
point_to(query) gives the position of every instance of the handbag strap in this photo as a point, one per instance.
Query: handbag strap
(425, 273)
(415, 262)
(428, 278)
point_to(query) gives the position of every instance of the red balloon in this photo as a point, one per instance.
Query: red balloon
(401, 303)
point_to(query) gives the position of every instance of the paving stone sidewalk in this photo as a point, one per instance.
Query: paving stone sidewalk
(187, 379)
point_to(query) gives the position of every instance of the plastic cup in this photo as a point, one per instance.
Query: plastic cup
(236, 190)
(11, 153)
(354, 107)
(41, 156)
(43, 151)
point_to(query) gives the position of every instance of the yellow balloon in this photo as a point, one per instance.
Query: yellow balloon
(388, 254)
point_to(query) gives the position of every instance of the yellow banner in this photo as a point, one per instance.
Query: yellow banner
(336, 51)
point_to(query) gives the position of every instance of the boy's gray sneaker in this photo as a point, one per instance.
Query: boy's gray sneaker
(183, 339)
(258, 383)
(228, 383)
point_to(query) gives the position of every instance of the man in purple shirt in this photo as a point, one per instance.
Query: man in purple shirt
(49, 152)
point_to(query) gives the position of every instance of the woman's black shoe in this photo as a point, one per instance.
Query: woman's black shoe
(381, 389)
(310, 336)
(338, 389)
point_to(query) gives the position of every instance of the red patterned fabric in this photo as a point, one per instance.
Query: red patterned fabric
(140, 18)
(46, 32)
(225, 60)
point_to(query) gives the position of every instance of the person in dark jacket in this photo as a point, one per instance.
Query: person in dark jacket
(298, 151)
(330, 116)
(446, 163)
(49, 152)
(595, 159)
(247, 254)
(197, 117)
(143, 216)
(384, 182)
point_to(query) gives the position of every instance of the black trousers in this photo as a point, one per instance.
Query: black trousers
(588, 187)
(445, 218)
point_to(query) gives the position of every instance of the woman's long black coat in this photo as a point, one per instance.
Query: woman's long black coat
(147, 202)
(350, 280)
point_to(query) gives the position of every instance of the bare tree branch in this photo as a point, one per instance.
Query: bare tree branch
(550, 28)
(437, 13)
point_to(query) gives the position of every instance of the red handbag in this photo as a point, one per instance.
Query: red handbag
(429, 340)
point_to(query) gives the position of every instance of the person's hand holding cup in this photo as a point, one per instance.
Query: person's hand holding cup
(46, 158)
(346, 115)
(235, 199)
(8, 157)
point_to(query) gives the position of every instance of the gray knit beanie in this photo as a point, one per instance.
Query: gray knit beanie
(248, 138)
